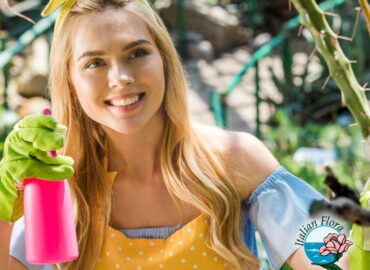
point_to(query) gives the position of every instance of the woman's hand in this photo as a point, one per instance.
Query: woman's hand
(26, 155)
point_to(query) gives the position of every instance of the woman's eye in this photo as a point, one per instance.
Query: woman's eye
(95, 63)
(98, 62)
(140, 53)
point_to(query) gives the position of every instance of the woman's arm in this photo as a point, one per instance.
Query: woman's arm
(277, 201)
(14, 264)
(7, 262)
(5, 232)
(299, 261)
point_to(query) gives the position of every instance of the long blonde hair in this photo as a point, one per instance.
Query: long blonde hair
(191, 168)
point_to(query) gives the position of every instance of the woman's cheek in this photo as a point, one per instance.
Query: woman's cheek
(154, 62)
(154, 69)
(92, 84)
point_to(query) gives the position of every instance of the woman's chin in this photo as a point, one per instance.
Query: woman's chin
(124, 129)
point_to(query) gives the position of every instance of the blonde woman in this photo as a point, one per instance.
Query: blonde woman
(152, 188)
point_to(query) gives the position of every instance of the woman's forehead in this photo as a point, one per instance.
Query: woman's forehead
(99, 28)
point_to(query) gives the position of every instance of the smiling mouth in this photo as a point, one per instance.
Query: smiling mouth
(109, 103)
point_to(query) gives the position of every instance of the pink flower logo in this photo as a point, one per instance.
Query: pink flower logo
(335, 244)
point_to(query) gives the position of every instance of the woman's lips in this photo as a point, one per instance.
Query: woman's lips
(126, 96)
(127, 108)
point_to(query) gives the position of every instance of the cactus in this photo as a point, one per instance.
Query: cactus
(355, 99)
(327, 44)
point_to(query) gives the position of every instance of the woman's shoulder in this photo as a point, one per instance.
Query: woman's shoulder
(244, 155)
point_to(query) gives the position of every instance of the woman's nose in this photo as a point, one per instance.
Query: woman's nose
(120, 79)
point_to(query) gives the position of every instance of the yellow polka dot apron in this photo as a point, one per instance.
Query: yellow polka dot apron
(185, 249)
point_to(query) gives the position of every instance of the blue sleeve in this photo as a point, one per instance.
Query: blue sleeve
(18, 246)
(277, 208)
(248, 232)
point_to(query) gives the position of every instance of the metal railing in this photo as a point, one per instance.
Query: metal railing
(218, 100)
(42, 26)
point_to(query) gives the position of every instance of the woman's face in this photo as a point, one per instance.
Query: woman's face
(116, 70)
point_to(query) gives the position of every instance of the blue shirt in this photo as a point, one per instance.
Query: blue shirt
(276, 209)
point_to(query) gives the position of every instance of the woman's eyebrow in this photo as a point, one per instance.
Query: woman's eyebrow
(125, 48)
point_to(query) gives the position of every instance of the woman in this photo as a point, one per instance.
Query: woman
(152, 188)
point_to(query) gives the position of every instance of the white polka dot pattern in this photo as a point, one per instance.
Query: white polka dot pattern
(185, 249)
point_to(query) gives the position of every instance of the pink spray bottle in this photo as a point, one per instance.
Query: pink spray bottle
(49, 222)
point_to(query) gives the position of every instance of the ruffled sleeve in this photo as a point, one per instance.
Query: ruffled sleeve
(248, 232)
(277, 208)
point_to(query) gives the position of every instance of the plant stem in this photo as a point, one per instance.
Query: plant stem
(339, 66)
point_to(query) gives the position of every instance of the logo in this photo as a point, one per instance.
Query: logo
(324, 242)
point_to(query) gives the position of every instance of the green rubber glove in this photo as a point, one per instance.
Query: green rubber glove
(26, 155)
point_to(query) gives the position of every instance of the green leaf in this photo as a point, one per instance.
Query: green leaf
(333, 267)
(338, 256)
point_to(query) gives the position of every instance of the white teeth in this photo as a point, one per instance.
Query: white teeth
(124, 102)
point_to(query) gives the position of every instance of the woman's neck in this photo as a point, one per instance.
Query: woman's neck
(136, 155)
